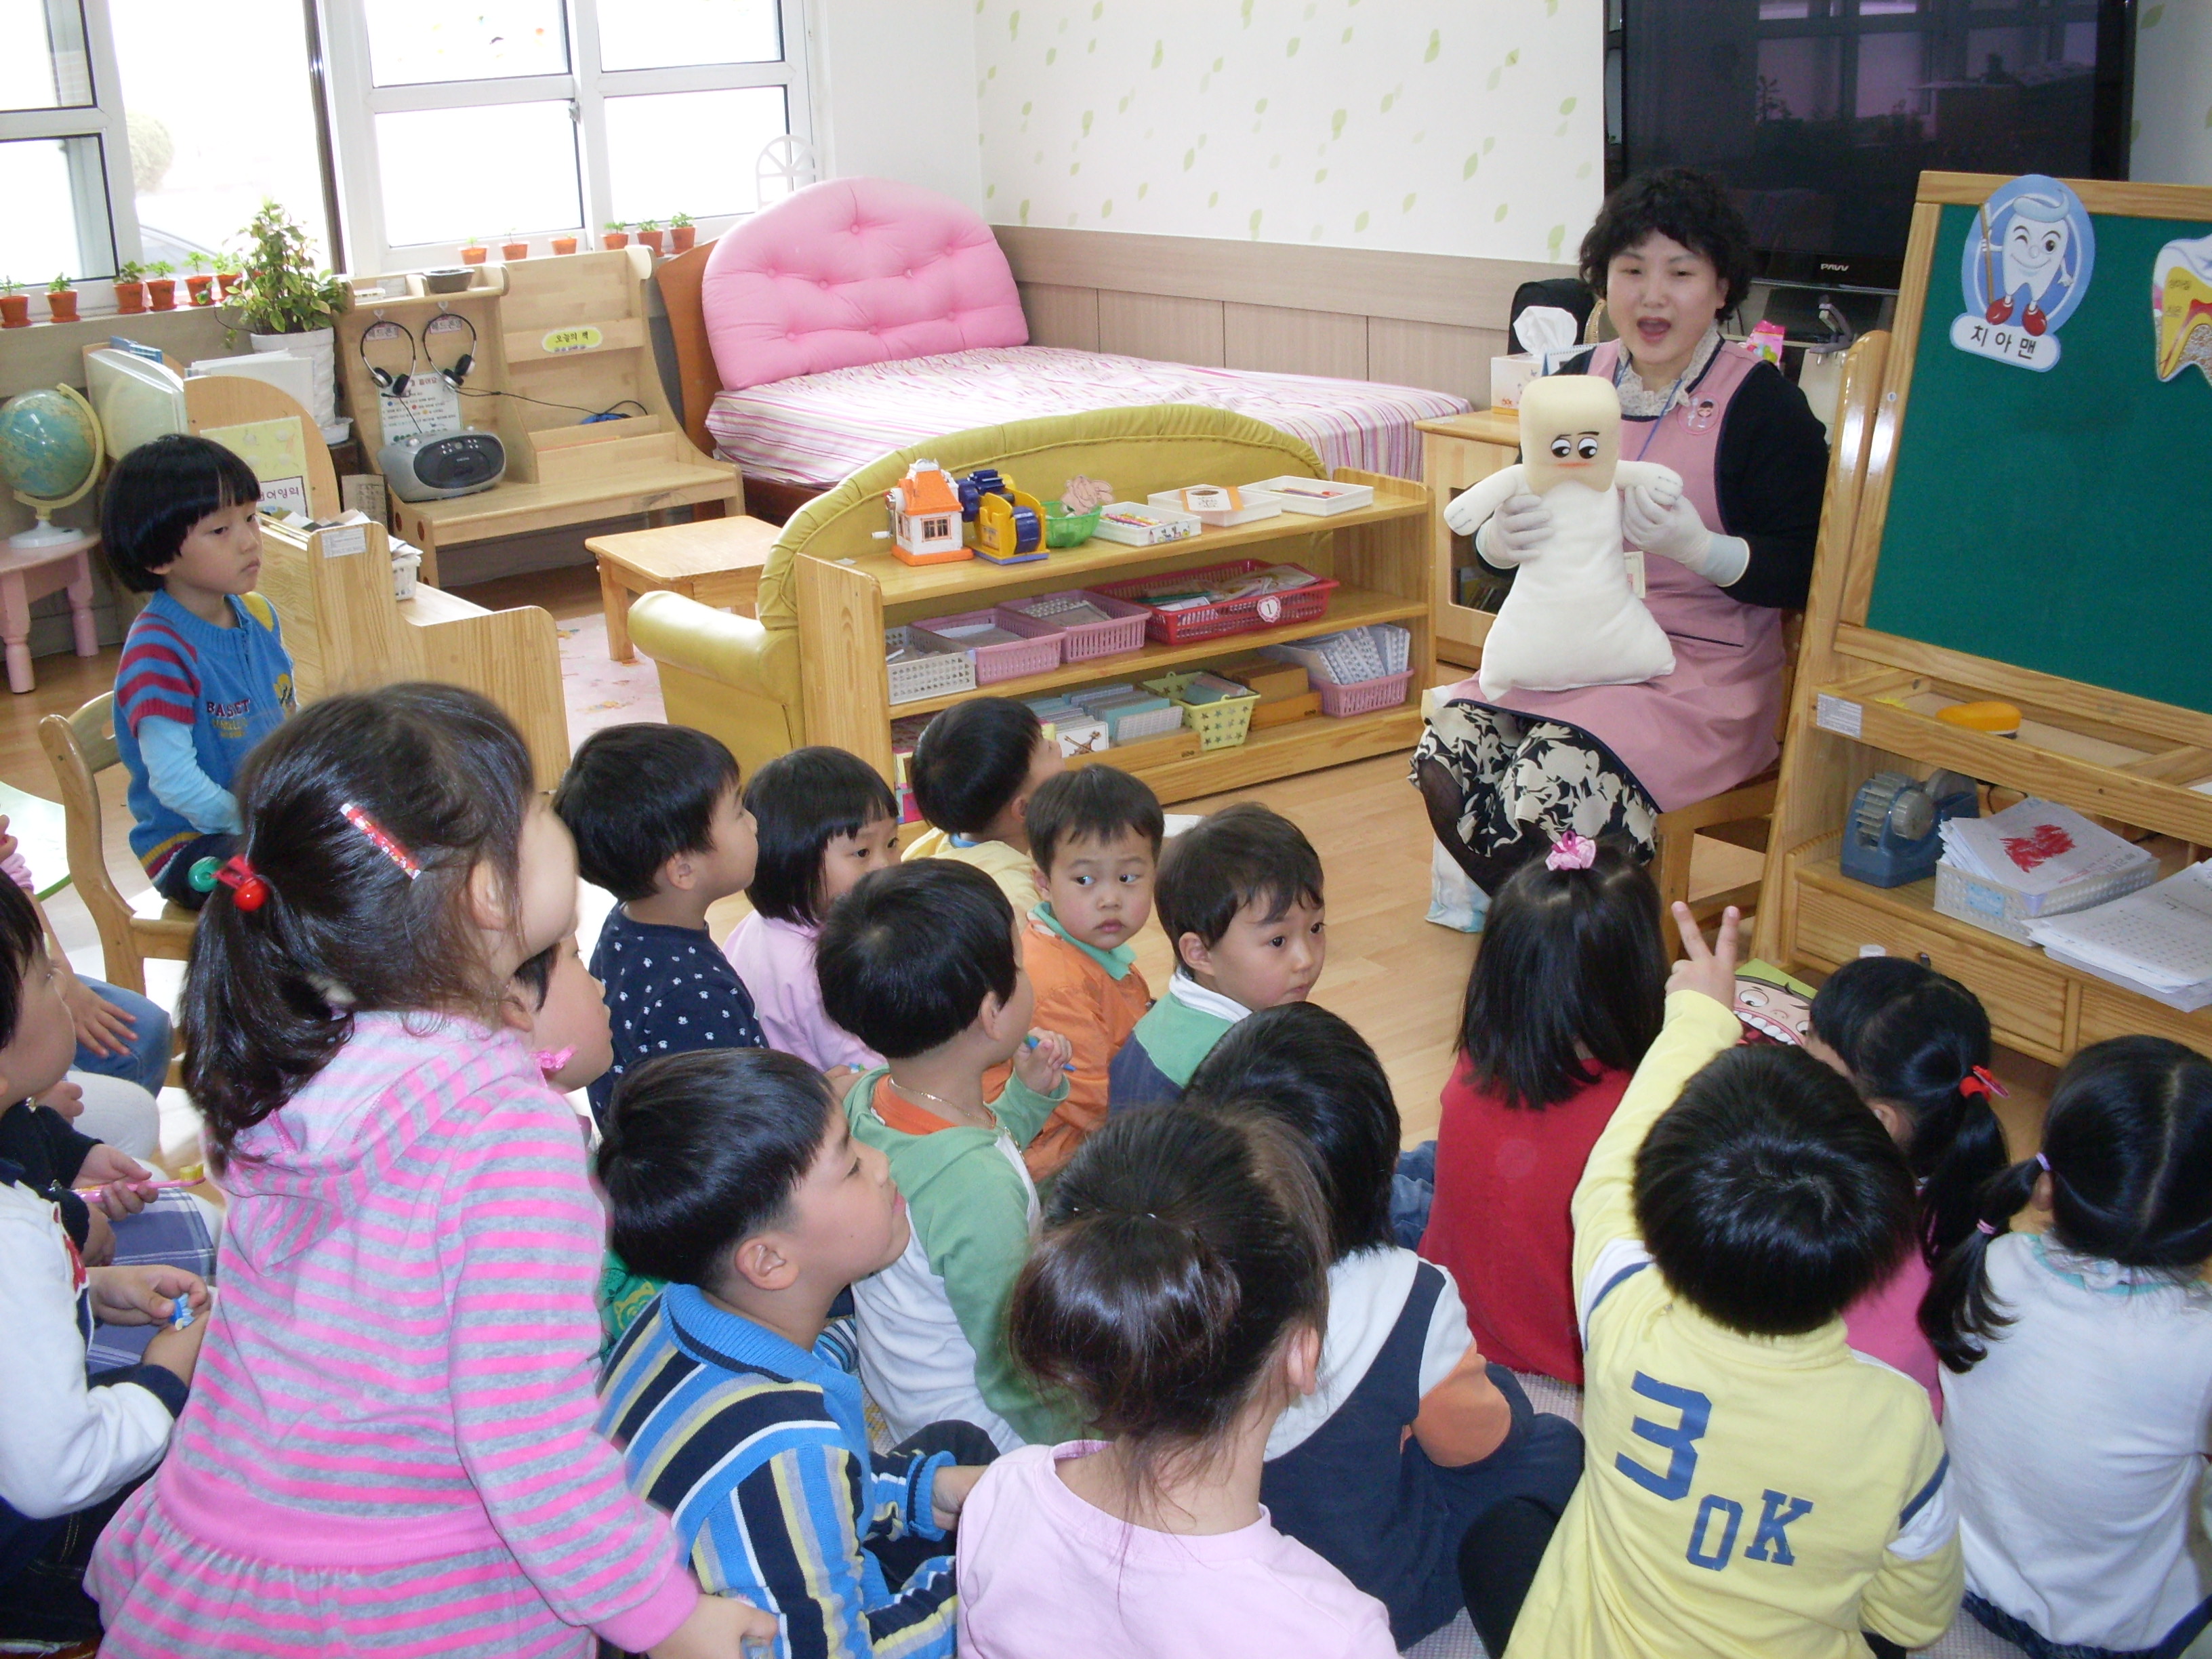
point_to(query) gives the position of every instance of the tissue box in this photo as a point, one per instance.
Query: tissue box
(1508, 375)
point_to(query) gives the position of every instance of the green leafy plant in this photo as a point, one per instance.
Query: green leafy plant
(61, 284)
(648, 224)
(615, 224)
(474, 241)
(161, 268)
(284, 292)
(227, 264)
(679, 221)
(131, 271)
(198, 264)
(10, 286)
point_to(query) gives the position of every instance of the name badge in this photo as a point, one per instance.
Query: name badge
(1699, 414)
(1633, 557)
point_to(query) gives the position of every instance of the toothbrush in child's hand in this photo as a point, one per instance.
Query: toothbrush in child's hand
(135, 1186)
(1031, 1042)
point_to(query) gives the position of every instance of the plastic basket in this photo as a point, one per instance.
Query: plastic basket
(1363, 696)
(1219, 724)
(926, 676)
(1214, 621)
(1123, 630)
(1036, 653)
(1065, 529)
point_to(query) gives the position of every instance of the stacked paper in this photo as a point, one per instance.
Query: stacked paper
(2045, 853)
(2158, 941)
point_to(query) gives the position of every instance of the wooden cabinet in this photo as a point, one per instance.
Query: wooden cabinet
(1378, 554)
(1456, 452)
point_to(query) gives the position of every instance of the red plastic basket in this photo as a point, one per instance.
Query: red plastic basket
(1363, 696)
(1214, 621)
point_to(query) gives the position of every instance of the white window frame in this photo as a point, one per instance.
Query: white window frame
(109, 178)
(357, 101)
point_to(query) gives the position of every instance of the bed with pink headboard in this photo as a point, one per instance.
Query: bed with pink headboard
(863, 315)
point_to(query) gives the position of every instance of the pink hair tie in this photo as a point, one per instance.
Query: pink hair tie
(1984, 1228)
(550, 1060)
(1572, 852)
(2043, 1163)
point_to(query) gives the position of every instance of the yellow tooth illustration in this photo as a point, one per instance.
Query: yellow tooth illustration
(2181, 306)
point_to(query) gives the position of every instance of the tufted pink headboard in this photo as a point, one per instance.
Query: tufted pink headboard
(855, 271)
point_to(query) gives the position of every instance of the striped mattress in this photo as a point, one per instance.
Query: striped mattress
(817, 429)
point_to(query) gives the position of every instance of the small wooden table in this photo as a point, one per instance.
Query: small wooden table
(29, 574)
(1457, 451)
(716, 562)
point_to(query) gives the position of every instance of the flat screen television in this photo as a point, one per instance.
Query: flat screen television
(1822, 114)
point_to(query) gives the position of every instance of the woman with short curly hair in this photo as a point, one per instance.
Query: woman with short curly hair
(1503, 781)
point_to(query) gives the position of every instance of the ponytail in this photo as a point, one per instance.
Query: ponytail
(1959, 1315)
(366, 817)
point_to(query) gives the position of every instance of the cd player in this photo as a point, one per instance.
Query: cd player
(420, 469)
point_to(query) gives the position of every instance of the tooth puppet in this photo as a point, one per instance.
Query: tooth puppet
(2181, 306)
(1571, 618)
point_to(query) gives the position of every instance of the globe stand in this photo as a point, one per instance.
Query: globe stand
(45, 533)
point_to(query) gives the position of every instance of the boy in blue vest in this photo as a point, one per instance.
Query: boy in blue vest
(204, 675)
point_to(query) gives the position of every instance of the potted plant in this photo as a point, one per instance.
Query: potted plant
(130, 288)
(228, 274)
(474, 252)
(650, 232)
(289, 305)
(199, 281)
(683, 234)
(512, 249)
(61, 300)
(564, 245)
(615, 234)
(15, 304)
(161, 285)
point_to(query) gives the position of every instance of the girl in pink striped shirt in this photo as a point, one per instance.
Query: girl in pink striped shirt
(389, 1445)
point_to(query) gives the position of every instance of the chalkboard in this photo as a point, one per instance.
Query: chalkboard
(2059, 520)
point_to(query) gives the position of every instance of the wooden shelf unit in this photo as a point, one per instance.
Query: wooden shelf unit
(1865, 701)
(1457, 452)
(1379, 553)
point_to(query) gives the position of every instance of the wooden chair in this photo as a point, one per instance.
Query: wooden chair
(81, 746)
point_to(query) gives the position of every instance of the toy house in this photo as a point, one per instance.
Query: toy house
(924, 509)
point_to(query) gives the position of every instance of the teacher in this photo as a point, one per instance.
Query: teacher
(1503, 781)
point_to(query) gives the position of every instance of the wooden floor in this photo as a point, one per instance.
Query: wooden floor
(1395, 976)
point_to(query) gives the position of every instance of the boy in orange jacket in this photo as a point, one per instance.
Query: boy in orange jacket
(1095, 835)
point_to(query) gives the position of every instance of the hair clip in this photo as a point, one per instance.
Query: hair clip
(550, 1060)
(1571, 851)
(358, 817)
(2043, 1163)
(1980, 1083)
(248, 891)
(1985, 1229)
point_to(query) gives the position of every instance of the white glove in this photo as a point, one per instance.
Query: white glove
(1516, 532)
(1672, 527)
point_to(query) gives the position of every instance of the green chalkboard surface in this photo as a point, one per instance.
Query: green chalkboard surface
(2061, 520)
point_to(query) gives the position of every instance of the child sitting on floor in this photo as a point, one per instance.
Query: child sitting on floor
(70, 1446)
(922, 963)
(204, 675)
(823, 819)
(1239, 895)
(735, 1178)
(2079, 1365)
(973, 773)
(658, 823)
(1752, 1487)
(1456, 1512)
(1178, 1297)
(1564, 997)
(1916, 1045)
(1095, 834)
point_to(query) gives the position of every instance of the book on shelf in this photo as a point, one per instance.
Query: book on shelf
(2157, 941)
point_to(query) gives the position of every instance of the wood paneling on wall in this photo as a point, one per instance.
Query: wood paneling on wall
(1419, 319)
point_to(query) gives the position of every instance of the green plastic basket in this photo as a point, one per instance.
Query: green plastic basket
(1065, 529)
(1219, 724)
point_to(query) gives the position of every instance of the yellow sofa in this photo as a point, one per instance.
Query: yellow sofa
(739, 679)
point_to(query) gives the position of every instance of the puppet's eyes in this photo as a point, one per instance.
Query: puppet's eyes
(1586, 449)
(1562, 447)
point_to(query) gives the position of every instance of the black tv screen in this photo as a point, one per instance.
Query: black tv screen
(1822, 114)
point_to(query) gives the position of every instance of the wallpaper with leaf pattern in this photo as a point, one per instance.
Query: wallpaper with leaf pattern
(1435, 126)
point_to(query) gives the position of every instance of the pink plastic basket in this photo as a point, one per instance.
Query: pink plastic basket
(1124, 630)
(1361, 697)
(1038, 653)
(1210, 622)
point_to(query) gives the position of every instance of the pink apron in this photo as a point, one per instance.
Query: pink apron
(1709, 724)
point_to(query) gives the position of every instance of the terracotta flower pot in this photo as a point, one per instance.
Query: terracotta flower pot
(228, 280)
(652, 238)
(564, 245)
(161, 293)
(62, 308)
(611, 240)
(683, 238)
(130, 299)
(197, 288)
(475, 256)
(14, 311)
(511, 251)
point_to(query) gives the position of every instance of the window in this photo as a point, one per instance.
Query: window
(64, 158)
(527, 119)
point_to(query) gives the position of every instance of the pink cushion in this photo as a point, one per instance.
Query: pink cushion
(851, 271)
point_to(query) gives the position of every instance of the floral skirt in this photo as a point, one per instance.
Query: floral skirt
(1521, 783)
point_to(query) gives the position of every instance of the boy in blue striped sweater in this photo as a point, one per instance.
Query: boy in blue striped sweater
(733, 1399)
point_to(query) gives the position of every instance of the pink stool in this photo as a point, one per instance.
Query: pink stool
(28, 573)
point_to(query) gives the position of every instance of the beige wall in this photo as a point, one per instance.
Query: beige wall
(1421, 320)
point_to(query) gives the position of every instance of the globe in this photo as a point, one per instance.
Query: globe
(50, 454)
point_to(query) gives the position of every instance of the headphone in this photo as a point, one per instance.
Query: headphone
(449, 322)
(446, 322)
(391, 385)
